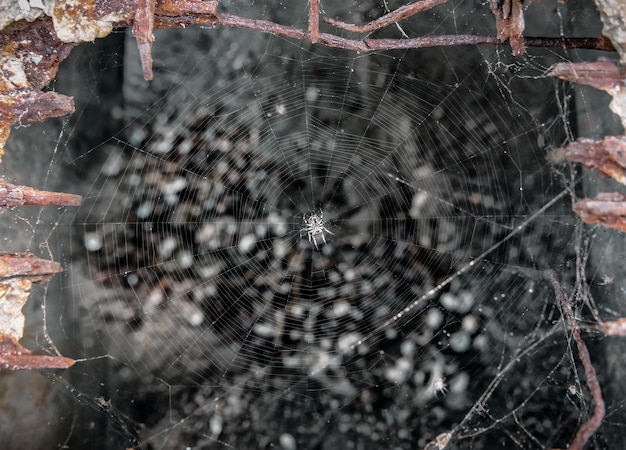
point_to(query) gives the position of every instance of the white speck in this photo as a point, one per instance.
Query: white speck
(184, 259)
(216, 423)
(541, 141)
(277, 224)
(264, 330)
(211, 271)
(170, 199)
(488, 201)
(144, 210)
(461, 303)
(321, 362)
(469, 323)
(192, 313)
(345, 342)
(295, 335)
(419, 378)
(404, 364)
(297, 310)
(420, 201)
(167, 246)
(185, 146)
(311, 94)
(247, 243)
(434, 318)
(481, 343)
(288, 442)
(292, 361)
(132, 279)
(281, 249)
(326, 344)
(327, 292)
(114, 164)
(400, 372)
(155, 298)
(344, 388)
(460, 341)
(459, 383)
(260, 230)
(162, 147)
(357, 314)
(407, 348)
(174, 186)
(394, 375)
(341, 308)
(137, 136)
(93, 242)
(366, 287)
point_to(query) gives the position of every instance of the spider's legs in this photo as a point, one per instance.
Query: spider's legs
(312, 240)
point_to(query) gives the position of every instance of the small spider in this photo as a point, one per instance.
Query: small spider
(439, 386)
(314, 227)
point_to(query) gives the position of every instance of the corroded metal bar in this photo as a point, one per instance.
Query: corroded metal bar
(15, 357)
(13, 195)
(18, 272)
(607, 156)
(608, 208)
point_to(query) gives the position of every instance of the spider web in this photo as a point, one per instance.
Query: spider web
(207, 311)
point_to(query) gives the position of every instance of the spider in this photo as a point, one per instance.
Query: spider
(439, 386)
(314, 227)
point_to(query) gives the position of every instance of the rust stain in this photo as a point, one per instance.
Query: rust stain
(614, 327)
(607, 156)
(12, 195)
(143, 27)
(18, 272)
(30, 54)
(175, 8)
(27, 265)
(15, 357)
(27, 105)
(37, 47)
(607, 208)
(516, 28)
(148, 12)
(86, 20)
(509, 15)
(602, 74)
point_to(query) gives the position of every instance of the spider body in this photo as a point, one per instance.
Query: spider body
(314, 228)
